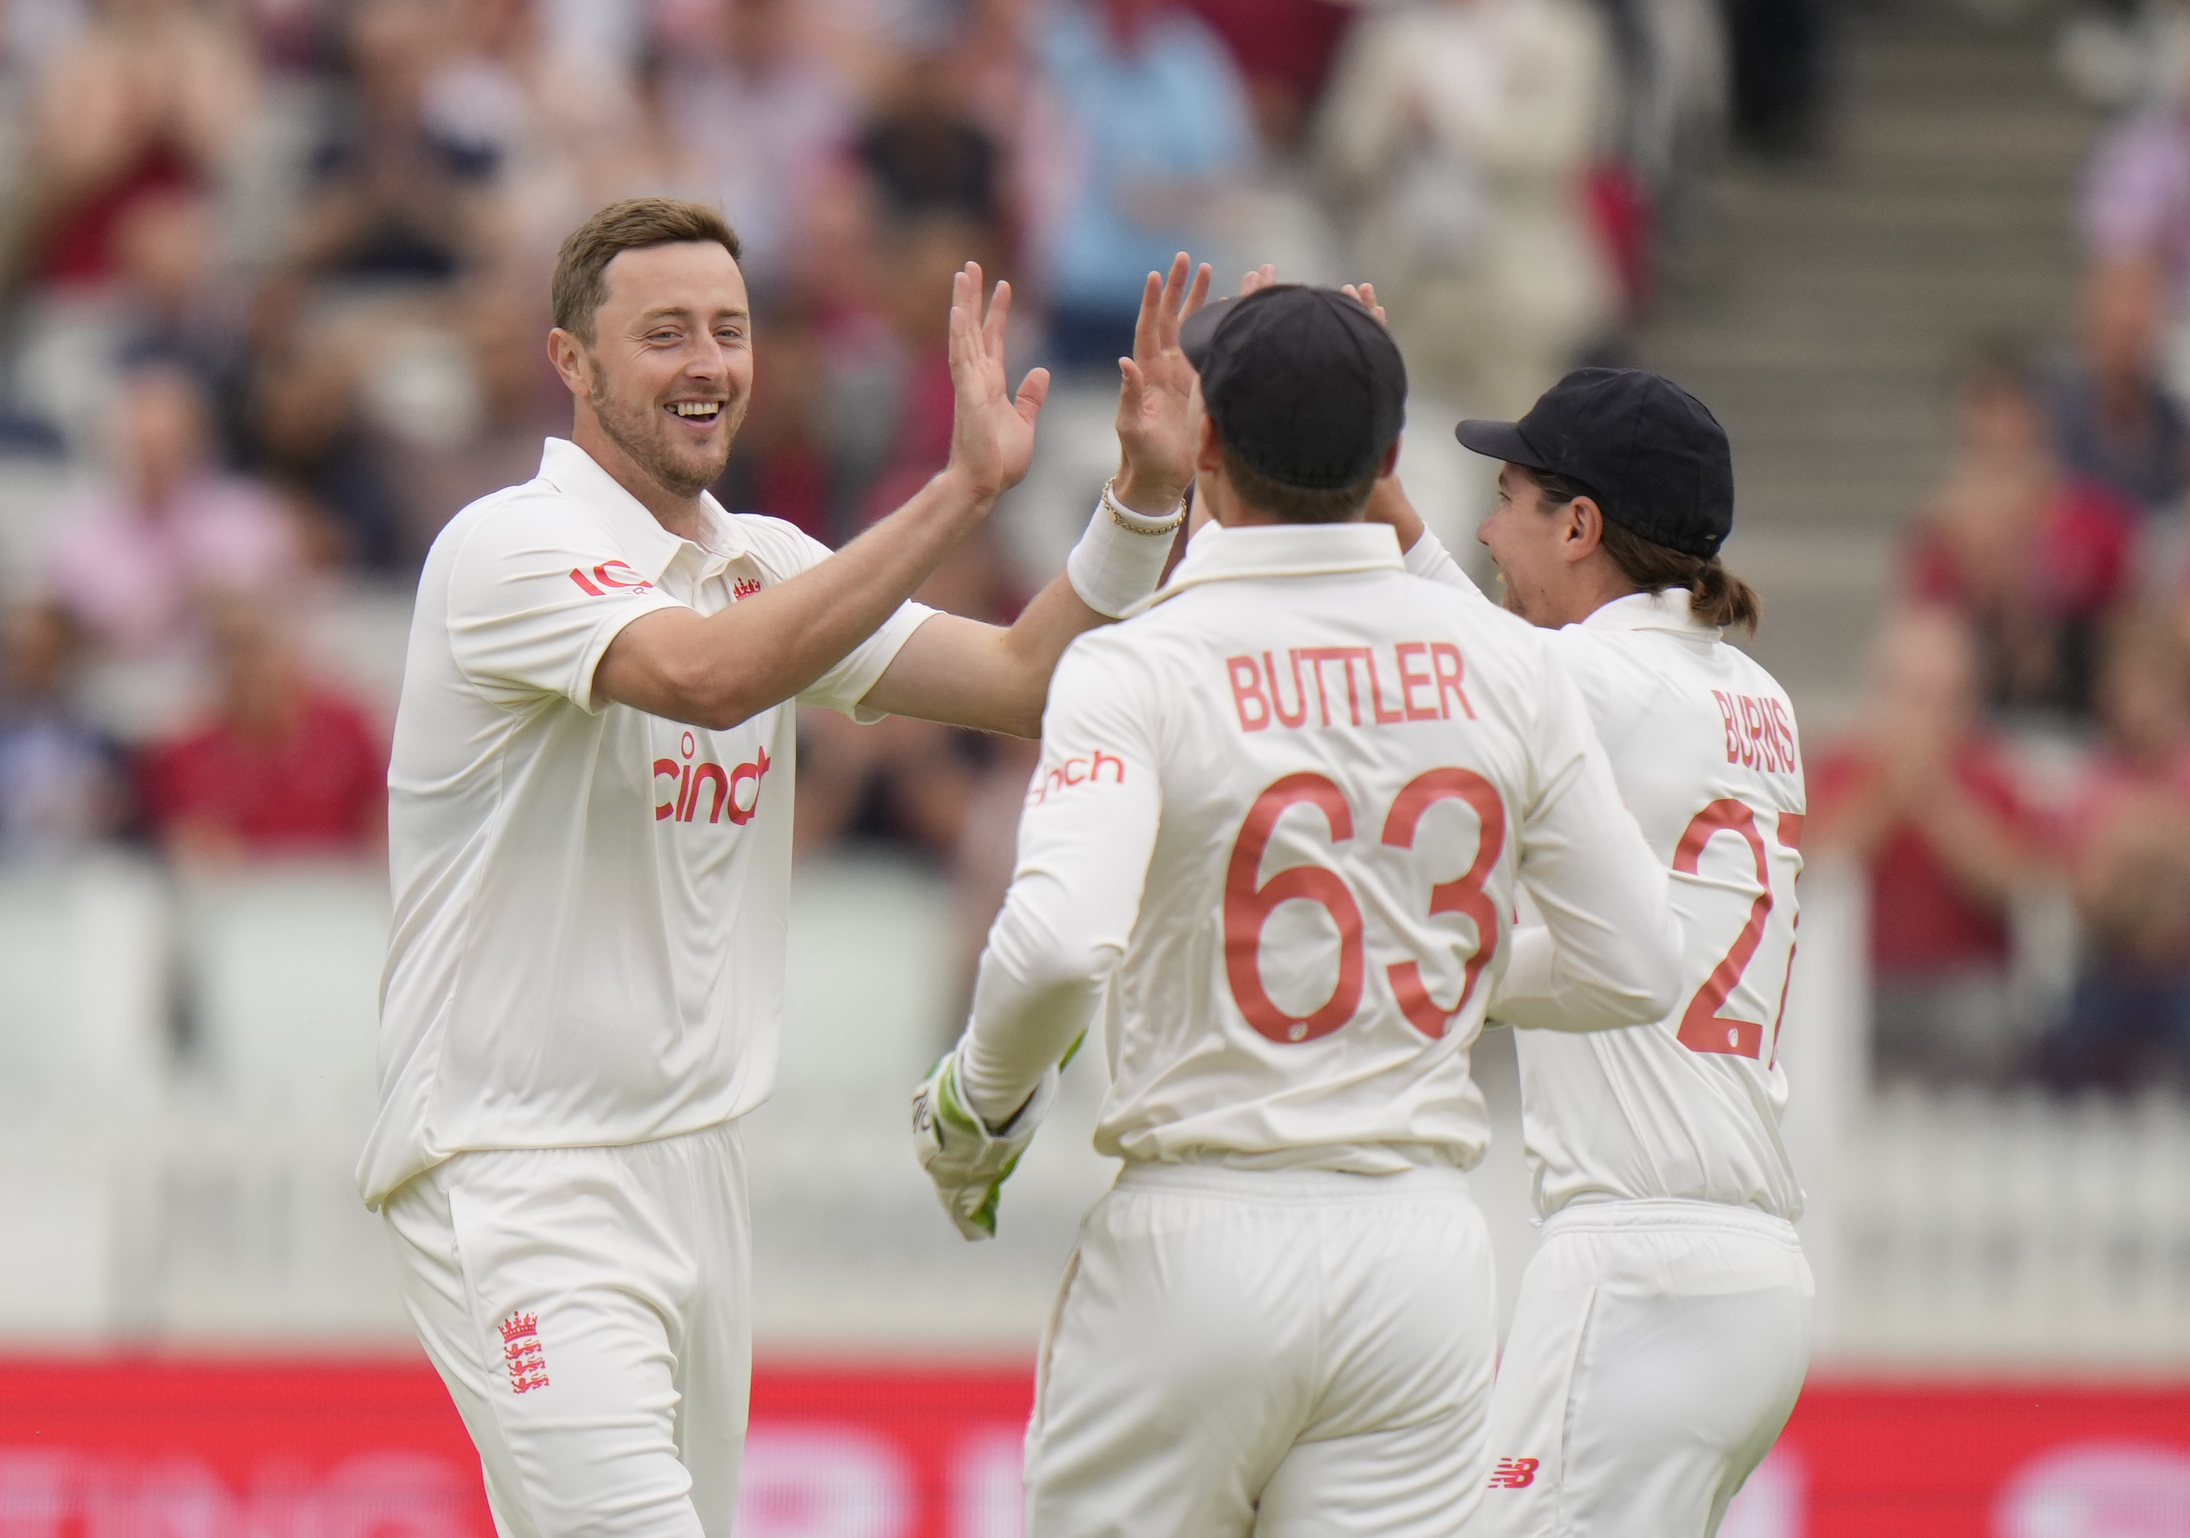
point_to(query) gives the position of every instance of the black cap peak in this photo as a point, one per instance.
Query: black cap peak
(1652, 455)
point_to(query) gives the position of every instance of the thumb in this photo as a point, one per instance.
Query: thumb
(1033, 391)
(1131, 383)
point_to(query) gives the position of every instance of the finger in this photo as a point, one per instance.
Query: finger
(1033, 390)
(1174, 295)
(971, 272)
(1145, 325)
(961, 326)
(1198, 295)
(992, 334)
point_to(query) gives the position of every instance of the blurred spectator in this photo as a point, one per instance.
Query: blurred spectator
(782, 465)
(131, 563)
(2136, 208)
(2129, 860)
(2113, 418)
(153, 96)
(1462, 135)
(1777, 52)
(59, 788)
(1285, 49)
(935, 789)
(749, 86)
(1157, 134)
(542, 118)
(312, 433)
(520, 402)
(178, 306)
(926, 151)
(395, 196)
(285, 766)
(2036, 559)
(1925, 801)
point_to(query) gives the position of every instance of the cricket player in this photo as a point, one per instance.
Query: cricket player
(590, 835)
(1663, 1328)
(1278, 829)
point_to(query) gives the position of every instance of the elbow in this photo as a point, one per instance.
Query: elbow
(702, 697)
(1068, 966)
(1655, 988)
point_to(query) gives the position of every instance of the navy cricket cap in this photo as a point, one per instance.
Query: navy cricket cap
(1652, 455)
(1305, 385)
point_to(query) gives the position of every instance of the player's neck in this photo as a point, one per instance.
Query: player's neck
(1592, 584)
(676, 511)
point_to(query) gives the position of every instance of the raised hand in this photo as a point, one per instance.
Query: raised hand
(1365, 295)
(1262, 277)
(992, 431)
(1158, 429)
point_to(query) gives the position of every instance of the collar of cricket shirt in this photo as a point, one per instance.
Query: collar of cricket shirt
(1668, 610)
(648, 546)
(1218, 554)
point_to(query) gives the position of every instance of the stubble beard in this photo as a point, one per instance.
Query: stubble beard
(640, 434)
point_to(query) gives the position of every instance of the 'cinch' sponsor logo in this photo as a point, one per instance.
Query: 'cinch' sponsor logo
(724, 789)
(1076, 771)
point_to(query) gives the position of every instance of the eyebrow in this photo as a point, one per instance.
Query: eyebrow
(678, 312)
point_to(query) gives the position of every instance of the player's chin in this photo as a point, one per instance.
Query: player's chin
(700, 457)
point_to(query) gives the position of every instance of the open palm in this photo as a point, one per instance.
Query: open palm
(1157, 427)
(992, 431)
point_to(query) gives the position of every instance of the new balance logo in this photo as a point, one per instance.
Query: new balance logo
(522, 1353)
(1513, 1474)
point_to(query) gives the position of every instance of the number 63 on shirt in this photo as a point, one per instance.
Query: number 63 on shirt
(1250, 902)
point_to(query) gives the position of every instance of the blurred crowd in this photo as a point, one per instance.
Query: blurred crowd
(2024, 749)
(273, 286)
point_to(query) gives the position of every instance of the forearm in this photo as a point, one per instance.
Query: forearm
(1982, 858)
(1036, 991)
(993, 678)
(1608, 953)
(728, 666)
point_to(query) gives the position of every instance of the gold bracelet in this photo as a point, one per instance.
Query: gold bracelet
(1125, 518)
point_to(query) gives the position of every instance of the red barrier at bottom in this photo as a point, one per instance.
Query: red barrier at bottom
(372, 1449)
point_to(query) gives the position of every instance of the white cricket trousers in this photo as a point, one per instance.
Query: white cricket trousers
(1286, 1353)
(1656, 1350)
(588, 1309)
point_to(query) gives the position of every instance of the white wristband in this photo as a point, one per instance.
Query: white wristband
(1117, 561)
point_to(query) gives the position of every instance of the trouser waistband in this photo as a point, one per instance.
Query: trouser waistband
(1659, 1212)
(1288, 1184)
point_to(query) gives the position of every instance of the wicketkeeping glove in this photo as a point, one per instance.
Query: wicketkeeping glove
(968, 1162)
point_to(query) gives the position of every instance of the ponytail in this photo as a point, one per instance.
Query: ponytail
(1715, 595)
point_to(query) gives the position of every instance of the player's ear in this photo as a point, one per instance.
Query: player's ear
(567, 353)
(1210, 455)
(1584, 530)
(1391, 461)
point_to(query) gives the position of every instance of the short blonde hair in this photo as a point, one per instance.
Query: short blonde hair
(581, 283)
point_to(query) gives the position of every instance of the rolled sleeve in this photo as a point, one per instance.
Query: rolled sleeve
(846, 684)
(536, 594)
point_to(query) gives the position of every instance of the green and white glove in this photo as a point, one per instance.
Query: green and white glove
(968, 1162)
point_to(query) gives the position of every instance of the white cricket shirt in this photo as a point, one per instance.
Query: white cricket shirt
(1285, 811)
(1703, 745)
(589, 902)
